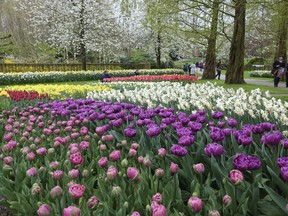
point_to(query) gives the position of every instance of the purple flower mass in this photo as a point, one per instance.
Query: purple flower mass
(153, 131)
(246, 162)
(282, 161)
(179, 150)
(214, 149)
(273, 138)
(130, 132)
(217, 115)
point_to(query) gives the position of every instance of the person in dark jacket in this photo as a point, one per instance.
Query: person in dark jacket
(105, 75)
(277, 70)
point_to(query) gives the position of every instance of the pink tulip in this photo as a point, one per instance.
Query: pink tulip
(92, 202)
(236, 176)
(31, 156)
(159, 210)
(135, 146)
(58, 174)
(71, 211)
(68, 129)
(159, 172)
(199, 168)
(132, 173)
(31, 172)
(99, 130)
(132, 152)
(76, 159)
(103, 147)
(76, 190)
(84, 145)
(7, 160)
(147, 162)
(36, 189)
(53, 165)
(41, 151)
(74, 173)
(157, 198)
(111, 173)
(173, 168)
(25, 150)
(140, 159)
(102, 162)
(43, 210)
(84, 131)
(195, 203)
(8, 128)
(227, 200)
(74, 135)
(7, 137)
(40, 124)
(162, 152)
(70, 123)
(135, 213)
(37, 140)
(115, 155)
(107, 138)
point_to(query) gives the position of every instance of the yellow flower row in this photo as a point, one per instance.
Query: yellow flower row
(56, 91)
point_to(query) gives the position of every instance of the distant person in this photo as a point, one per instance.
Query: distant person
(201, 64)
(193, 69)
(277, 70)
(287, 76)
(136, 72)
(218, 70)
(105, 75)
(189, 69)
(185, 68)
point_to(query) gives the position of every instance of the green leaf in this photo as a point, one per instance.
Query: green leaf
(278, 200)
(280, 183)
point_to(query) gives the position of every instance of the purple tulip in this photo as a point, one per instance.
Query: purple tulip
(217, 115)
(186, 140)
(214, 149)
(246, 162)
(284, 173)
(178, 150)
(232, 122)
(153, 131)
(130, 132)
(273, 138)
(282, 161)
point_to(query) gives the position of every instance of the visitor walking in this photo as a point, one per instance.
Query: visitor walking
(277, 70)
(193, 69)
(218, 70)
(185, 68)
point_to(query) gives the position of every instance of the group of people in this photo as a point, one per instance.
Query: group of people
(195, 67)
(278, 70)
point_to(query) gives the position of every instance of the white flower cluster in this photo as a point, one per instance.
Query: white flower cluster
(192, 97)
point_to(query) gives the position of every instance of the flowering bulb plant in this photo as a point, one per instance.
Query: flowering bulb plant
(88, 157)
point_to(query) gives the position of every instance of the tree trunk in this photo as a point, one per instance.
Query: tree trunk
(282, 37)
(82, 38)
(209, 71)
(158, 51)
(235, 69)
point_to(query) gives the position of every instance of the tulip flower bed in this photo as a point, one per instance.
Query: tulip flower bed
(153, 78)
(253, 107)
(70, 76)
(25, 95)
(87, 157)
(53, 91)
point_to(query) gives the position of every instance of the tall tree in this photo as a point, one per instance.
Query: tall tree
(209, 72)
(77, 26)
(235, 69)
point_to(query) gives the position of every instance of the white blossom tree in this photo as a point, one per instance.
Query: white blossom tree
(76, 26)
